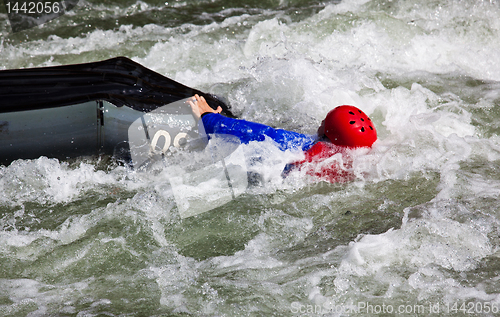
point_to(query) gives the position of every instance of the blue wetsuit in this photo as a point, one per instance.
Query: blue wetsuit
(246, 131)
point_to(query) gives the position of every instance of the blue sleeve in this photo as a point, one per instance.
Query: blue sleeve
(246, 131)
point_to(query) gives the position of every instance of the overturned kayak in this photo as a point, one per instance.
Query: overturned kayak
(88, 109)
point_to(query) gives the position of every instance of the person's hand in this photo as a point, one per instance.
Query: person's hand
(199, 106)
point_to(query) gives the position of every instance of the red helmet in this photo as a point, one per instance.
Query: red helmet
(348, 126)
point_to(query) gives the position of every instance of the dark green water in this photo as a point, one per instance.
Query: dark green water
(417, 230)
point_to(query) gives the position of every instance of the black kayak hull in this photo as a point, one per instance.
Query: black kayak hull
(91, 128)
(84, 109)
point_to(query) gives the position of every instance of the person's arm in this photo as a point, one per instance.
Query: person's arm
(246, 131)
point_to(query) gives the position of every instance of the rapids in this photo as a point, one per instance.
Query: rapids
(417, 232)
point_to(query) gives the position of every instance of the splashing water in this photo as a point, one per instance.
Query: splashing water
(418, 228)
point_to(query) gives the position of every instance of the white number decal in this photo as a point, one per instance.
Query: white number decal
(178, 138)
(168, 139)
(154, 142)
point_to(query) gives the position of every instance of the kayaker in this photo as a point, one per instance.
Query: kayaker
(343, 127)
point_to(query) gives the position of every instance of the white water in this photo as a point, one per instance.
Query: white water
(427, 72)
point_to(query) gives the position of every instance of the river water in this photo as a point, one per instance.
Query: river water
(416, 233)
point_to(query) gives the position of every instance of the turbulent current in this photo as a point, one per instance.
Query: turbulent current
(416, 233)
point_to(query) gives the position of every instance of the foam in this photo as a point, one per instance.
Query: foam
(33, 298)
(411, 262)
(289, 75)
(49, 181)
